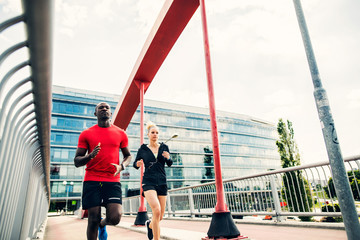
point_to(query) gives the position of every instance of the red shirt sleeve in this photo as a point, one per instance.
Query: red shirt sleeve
(82, 141)
(125, 141)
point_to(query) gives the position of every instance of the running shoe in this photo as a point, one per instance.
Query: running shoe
(102, 233)
(149, 230)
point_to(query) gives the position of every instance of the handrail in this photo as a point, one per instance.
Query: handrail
(262, 194)
(38, 18)
(305, 166)
(25, 126)
(8, 23)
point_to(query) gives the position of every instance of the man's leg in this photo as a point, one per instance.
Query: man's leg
(94, 216)
(112, 200)
(113, 214)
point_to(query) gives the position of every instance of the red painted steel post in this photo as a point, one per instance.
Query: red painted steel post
(141, 216)
(220, 195)
(142, 207)
(222, 225)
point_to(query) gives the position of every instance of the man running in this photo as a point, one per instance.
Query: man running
(98, 149)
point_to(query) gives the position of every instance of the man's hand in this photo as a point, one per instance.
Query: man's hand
(81, 158)
(118, 168)
(95, 151)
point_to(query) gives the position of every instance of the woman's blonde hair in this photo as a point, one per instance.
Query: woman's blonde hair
(150, 125)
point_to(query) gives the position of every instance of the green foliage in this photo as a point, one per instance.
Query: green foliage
(287, 147)
(354, 179)
(296, 187)
(330, 189)
(354, 189)
(331, 208)
(208, 161)
(306, 218)
(318, 187)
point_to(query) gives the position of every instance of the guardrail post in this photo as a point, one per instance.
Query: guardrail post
(275, 198)
(130, 207)
(191, 202)
(169, 205)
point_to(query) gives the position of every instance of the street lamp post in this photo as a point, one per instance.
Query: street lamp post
(341, 181)
(67, 194)
(173, 136)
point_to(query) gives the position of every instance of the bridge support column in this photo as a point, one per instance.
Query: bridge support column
(222, 224)
(142, 216)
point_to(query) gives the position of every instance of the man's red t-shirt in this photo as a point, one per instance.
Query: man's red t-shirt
(111, 139)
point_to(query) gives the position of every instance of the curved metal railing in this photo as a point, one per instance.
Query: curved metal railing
(25, 113)
(302, 191)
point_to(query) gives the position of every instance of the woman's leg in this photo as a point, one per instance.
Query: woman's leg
(153, 201)
(162, 200)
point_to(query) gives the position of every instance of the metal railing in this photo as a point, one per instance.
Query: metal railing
(25, 110)
(303, 191)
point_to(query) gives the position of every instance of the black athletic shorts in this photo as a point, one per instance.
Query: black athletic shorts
(161, 190)
(100, 194)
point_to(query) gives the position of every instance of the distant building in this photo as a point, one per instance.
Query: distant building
(247, 145)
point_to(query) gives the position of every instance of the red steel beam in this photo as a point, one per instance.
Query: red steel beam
(173, 18)
(142, 207)
(220, 194)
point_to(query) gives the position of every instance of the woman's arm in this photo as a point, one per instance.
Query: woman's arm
(138, 160)
(167, 157)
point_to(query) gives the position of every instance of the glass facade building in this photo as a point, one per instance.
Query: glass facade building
(247, 145)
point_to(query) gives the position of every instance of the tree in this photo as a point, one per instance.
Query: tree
(287, 147)
(330, 188)
(296, 187)
(354, 179)
(209, 165)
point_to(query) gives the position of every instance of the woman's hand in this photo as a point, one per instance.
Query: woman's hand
(140, 163)
(166, 154)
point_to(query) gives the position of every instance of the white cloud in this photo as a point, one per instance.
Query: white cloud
(71, 15)
(5, 39)
(281, 97)
(67, 31)
(258, 59)
(354, 99)
(11, 6)
(104, 9)
(148, 12)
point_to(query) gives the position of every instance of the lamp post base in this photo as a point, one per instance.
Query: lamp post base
(141, 219)
(222, 226)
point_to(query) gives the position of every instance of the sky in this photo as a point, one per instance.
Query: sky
(258, 60)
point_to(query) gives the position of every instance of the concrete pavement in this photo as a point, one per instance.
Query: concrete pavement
(71, 227)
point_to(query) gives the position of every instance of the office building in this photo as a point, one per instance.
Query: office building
(247, 144)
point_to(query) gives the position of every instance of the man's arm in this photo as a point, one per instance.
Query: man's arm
(127, 156)
(126, 161)
(81, 158)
